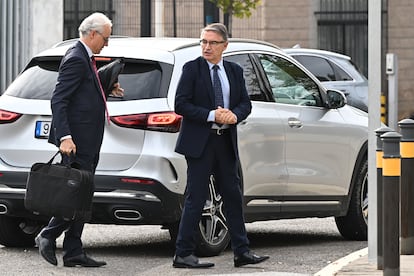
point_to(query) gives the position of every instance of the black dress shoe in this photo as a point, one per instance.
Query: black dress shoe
(47, 249)
(82, 260)
(248, 257)
(190, 261)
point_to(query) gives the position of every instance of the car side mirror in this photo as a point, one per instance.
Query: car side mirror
(336, 99)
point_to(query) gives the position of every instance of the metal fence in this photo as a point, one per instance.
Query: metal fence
(343, 27)
(173, 18)
(76, 10)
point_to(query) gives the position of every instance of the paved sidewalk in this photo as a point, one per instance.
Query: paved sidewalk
(357, 264)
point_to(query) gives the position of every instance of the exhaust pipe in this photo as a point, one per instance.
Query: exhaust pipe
(127, 214)
(3, 209)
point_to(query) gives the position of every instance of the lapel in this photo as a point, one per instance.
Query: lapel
(206, 79)
(95, 78)
(232, 80)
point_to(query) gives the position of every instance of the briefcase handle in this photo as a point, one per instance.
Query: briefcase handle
(53, 157)
(67, 165)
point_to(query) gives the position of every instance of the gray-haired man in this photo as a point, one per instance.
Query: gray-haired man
(78, 119)
(208, 139)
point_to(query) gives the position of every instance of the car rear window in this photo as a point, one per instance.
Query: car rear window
(141, 79)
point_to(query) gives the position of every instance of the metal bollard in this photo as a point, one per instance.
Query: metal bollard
(407, 186)
(379, 154)
(391, 170)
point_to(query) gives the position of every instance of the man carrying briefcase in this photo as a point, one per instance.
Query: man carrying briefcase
(78, 119)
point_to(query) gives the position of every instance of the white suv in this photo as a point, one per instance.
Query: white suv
(303, 151)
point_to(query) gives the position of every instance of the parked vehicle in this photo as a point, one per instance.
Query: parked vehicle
(335, 71)
(303, 151)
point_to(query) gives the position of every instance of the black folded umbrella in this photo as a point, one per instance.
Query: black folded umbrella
(108, 74)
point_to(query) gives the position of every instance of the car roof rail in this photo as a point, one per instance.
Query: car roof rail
(248, 40)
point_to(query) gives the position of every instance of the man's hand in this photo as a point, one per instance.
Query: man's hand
(117, 91)
(67, 146)
(225, 116)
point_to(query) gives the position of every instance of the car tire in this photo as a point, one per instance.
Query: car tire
(354, 226)
(17, 232)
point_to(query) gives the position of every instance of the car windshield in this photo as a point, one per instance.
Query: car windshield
(139, 79)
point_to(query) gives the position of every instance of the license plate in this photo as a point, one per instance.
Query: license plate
(42, 129)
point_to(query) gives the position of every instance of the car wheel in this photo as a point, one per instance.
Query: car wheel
(18, 232)
(213, 232)
(354, 226)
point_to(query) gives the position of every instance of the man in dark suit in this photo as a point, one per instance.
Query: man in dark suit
(78, 119)
(212, 101)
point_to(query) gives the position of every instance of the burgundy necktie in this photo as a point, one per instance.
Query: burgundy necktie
(100, 86)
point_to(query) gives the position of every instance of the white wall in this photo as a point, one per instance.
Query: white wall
(46, 24)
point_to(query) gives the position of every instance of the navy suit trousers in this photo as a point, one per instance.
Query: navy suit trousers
(218, 159)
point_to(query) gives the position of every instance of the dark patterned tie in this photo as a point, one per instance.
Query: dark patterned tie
(95, 69)
(218, 93)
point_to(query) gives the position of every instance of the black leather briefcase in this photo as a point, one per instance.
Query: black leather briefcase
(59, 190)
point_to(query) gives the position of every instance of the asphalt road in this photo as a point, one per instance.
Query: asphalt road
(296, 247)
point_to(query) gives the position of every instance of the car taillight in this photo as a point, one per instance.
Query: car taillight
(107, 59)
(8, 116)
(163, 121)
(138, 181)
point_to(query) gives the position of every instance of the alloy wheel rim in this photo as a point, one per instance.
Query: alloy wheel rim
(213, 222)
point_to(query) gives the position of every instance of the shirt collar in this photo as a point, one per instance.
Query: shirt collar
(220, 64)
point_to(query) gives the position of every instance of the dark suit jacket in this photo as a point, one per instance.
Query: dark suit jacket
(194, 100)
(78, 107)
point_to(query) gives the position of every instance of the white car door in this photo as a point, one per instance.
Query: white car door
(261, 142)
(317, 145)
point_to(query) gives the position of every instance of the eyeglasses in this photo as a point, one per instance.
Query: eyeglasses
(106, 39)
(212, 43)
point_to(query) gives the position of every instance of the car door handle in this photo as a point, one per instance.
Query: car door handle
(294, 122)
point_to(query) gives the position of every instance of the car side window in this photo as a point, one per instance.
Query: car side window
(141, 81)
(289, 83)
(322, 68)
(252, 82)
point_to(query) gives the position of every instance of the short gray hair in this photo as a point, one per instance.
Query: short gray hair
(94, 22)
(218, 28)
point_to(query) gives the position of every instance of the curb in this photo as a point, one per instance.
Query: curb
(334, 267)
